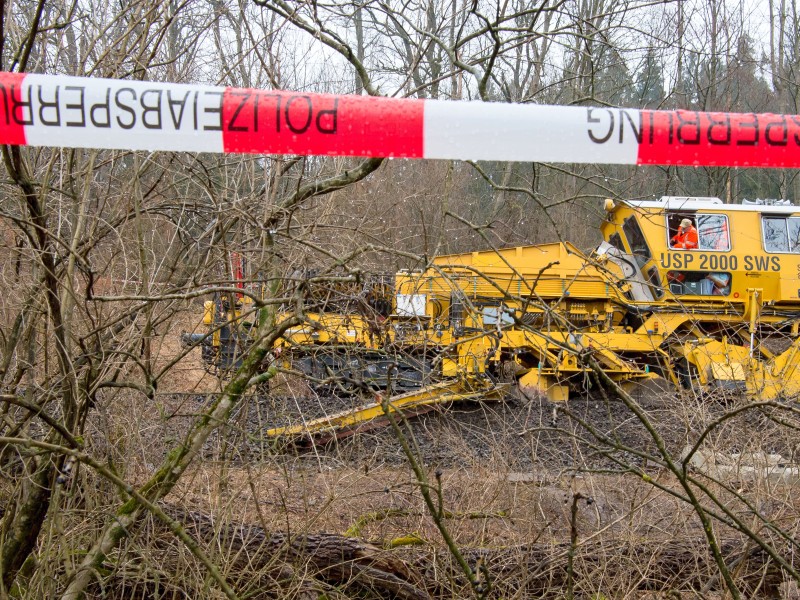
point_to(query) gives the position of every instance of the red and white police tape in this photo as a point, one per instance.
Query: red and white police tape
(79, 112)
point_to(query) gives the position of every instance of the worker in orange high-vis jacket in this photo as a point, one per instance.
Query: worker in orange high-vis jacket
(686, 237)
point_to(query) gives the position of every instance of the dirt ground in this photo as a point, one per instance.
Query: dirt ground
(506, 474)
(189, 374)
(484, 508)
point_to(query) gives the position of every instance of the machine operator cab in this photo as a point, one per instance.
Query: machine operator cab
(733, 248)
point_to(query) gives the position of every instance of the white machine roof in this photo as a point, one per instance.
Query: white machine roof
(693, 203)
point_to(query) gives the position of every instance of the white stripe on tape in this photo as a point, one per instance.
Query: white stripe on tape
(80, 112)
(519, 132)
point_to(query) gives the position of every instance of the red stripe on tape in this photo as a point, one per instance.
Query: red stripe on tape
(12, 117)
(684, 137)
(258, 121)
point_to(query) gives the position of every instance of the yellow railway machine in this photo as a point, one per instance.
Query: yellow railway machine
(701, 293)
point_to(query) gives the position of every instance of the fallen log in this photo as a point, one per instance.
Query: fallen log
(614, 567)
(333, 559)
(339, 564)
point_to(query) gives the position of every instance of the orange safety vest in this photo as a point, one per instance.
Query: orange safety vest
(685, 239)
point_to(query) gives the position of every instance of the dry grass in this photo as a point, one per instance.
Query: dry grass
(507, 500)
(189, 375)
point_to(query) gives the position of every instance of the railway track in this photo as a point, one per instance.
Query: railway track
(463, 433)
(588, 432)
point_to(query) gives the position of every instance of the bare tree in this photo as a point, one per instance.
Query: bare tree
(105, 256)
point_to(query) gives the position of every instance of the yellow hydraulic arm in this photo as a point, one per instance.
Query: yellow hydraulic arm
(371, 415)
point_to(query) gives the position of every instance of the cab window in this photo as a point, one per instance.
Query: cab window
(638, 244)
(781, 234)
(713, 232)
(616, 240)
(655, 282)
(699, 283)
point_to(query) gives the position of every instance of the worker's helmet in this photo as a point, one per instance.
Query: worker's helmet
(686, 223)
